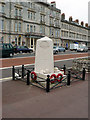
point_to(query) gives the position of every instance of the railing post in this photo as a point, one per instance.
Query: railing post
(28, 77)
(83, 74)
(22, 71)
(64, 69)
(48, 84)
(68, 78)
(13, 73)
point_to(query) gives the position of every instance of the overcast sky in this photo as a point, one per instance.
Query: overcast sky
(78, 9)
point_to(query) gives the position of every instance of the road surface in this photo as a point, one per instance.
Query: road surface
(31, 60)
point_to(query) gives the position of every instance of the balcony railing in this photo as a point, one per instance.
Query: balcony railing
(2, 14)
(52, 24)
(57, 25)
(18, 17)
(42, 22)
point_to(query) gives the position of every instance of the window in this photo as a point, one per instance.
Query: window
(31, 28)
(28, 14)
(16, 12)
(15, 27)
(19, 26)
(31, 16)
(41, 17)
(31, 5)
(2, 39)
(50, 21)
(19, 12)
(27, 28)
(50, 31)
(19, 41)
(34, 16)
(34, 29)
(2, 25)
(56, 33)
(40, 29)
(2, 8)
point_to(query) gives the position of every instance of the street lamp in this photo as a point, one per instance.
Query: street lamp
(10, 21)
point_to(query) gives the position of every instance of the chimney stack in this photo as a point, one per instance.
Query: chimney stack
(77, 21)
(82, 23)
(86, 25)
(63, 16)
(70, 19)
(53, 4)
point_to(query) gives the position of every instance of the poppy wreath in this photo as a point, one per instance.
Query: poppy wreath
(53, 76)
(60, 75)
(63, 71)
(33, 75)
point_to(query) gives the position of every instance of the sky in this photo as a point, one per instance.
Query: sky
(78, 9)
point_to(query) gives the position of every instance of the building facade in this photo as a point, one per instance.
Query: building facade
(25, 22)
(73, 32)
(22, 23)
(89, 22)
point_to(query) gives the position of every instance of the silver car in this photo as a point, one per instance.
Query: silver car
(61, 49)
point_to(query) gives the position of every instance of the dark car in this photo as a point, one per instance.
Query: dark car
(61, 49)
(6, 49)
(55, 49)
(88, 48)
(22, 49)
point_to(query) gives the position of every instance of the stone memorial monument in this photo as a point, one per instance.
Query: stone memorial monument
(44, 60)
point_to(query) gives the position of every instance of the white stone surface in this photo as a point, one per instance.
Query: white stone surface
(44, 61)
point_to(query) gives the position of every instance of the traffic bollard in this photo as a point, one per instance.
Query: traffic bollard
(68, 78)
(48, 84)
(13, 73)
(28, 77)
(64, 69)
(83, 74)
(22, 71)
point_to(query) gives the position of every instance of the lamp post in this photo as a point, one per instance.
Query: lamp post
(10, 21)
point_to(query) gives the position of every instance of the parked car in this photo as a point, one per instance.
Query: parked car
(82, 48)
(6, 49)
(22, 49)
(55, 49)
(61, 49)
(88, 48)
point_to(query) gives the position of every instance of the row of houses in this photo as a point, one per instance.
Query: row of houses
(22, 23)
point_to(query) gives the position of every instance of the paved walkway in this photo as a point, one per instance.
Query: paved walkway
(22, 101)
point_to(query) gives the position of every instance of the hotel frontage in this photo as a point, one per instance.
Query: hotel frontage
(22, 23)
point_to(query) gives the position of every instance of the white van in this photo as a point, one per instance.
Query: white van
(82, 48)
(73, 46)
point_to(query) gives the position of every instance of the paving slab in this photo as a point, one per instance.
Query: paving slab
(22, 101)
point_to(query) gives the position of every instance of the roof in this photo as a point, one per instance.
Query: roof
(74, 23)
(49, 6)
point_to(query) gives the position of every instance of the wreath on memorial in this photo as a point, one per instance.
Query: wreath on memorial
(33, 75)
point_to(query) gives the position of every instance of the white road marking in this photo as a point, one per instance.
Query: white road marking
(10, 78)
(6, 79)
